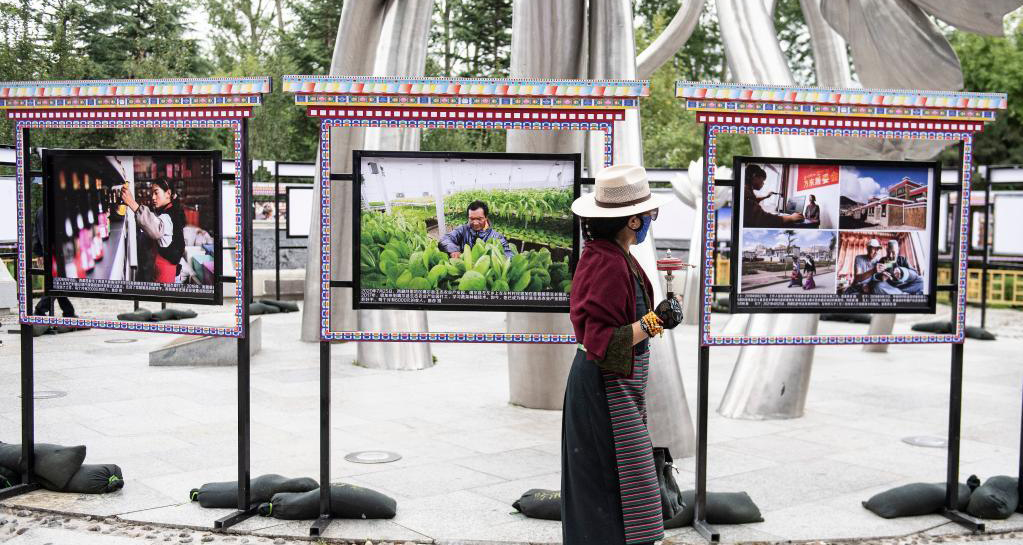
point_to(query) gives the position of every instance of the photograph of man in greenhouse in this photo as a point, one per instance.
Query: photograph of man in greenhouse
(476, 228)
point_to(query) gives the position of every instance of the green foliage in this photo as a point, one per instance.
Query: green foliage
(671, 136)
(472, 39)
(396, 254)
(993, 64)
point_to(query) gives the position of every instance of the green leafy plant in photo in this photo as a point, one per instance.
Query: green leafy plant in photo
(397, 254)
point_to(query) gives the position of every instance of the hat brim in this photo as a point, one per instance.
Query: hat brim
(586, 207)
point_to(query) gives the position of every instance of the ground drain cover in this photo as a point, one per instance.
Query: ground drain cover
(373, 457)
(926, 441)
(47, 394)
(120, 341)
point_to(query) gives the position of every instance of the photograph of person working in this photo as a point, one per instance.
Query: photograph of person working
(753, 213)
(477, 227)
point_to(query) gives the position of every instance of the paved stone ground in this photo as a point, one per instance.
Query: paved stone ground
(468, 454)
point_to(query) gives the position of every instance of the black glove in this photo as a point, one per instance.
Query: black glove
(669, 311)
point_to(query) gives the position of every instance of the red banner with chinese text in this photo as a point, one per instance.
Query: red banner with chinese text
(814, 176)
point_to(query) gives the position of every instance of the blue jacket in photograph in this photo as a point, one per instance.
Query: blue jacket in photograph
(463, 235)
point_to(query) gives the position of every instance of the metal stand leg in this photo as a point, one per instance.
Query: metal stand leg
(27, 419)
(955, 406)
(245, 509)
(702, 394)
(320, 526)
(1019, 474)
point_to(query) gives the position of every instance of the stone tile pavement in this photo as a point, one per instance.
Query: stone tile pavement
(467, 454)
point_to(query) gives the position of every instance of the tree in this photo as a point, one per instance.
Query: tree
(671, 136)
(468, 38)
(993, 64)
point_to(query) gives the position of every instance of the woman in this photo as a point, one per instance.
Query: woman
(610, 494)
(809, 269)
(796, 277)
(164, 225)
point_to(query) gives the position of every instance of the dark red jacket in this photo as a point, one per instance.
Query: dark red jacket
(603, 295)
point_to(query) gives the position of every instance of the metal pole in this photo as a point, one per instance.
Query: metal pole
(955, 391)
(987, 253)
(320, 526)
(702, 379)
(27, 340)
(955, 398)
(245, 509)
(277, 231)
(243, 341)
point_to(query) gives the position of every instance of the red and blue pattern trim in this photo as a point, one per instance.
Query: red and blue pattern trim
(328, 334)
(707, 338)
(186, 329)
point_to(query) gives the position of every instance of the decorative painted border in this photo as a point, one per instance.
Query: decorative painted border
(872, 125)
(507, 115)
(838, 110)
(819, 95)
(710, 154)
(447, 101)
(464, 86)
(136, 87)
(158, 327)
(122, 113)
(326, 124)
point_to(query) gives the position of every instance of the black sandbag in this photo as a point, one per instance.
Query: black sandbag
(40, 330)
(722, 508)
(140, 315)
(96, 479)
(8, 477)
(256, 309)
(261, 489)
(54, 464)
(914, 499)
(850, 318)
(979, 333)
(283, 306)
(538, 503)
(346, 501)
(173, 314)
(940, 326)
(997, 498)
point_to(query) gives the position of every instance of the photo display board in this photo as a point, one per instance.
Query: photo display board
(834, 236)
(464, 231)
(1008, 215)
(133, 224)
(299, 206)
(8, 209)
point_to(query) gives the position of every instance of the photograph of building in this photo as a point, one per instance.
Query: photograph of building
(788, 261)
(884, 198)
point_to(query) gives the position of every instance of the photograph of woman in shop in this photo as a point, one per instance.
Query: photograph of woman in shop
(163, 225)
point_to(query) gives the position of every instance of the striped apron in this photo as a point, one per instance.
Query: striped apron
(637, 477)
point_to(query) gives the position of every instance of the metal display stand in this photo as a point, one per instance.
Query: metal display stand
(440, 103)
(277, 224)
(127, 104)
(862, 113)
(995, 176)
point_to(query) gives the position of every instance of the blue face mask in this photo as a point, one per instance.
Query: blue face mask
(641, 232)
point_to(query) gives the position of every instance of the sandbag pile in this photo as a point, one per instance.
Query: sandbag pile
(297, 499)
(997, 498)
(224, 495)
(60, 468)
(722, 507)
(272, 306)
(143, 315)
(347, 501)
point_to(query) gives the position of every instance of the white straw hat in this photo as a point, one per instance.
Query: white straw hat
(619, 190)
